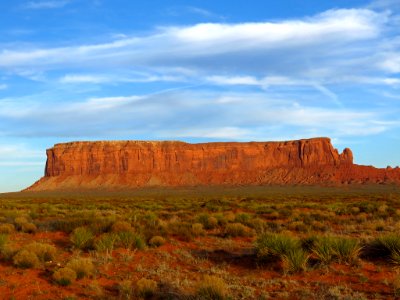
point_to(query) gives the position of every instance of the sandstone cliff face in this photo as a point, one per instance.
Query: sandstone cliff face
(169, 163)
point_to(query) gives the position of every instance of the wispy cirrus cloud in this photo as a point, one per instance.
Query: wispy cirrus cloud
(50, 4)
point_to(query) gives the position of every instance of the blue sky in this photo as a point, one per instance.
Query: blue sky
(197, 71)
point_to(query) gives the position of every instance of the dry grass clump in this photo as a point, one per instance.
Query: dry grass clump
(212, 288)
(105, 242)
(28, 227)
(44, 252)
(198, 229)
(82, 238)
(64, 276)
(237, 230)
(121, 226)
(125, 289)
(289, 250)
(19, 221)
(157, 241)
(209, 222)
(83, 267)
(7, 228)
(344, 250)
(129, 240)
(25, 259)
(146, 287)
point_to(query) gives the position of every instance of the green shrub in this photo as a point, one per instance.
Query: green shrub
(329, 249)
(106, 242)
(324, 250)
(387, 246)
(7, 228)
(157, 241)
(83, 267)
(275, 245)
(212, 288)
(237, 229)
(146, 287)
(64, 276)
(44, 252)
(25, 259)
(128, 240)
(82, 238)
(295, 260)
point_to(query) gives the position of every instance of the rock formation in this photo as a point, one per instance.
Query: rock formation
(130, 164)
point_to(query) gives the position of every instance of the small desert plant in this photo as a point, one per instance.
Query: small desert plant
(243, 218)
(387, 246)
(121, 226)
(157, 241)
(83, 267)
(3, 242)
(328, 249)
(125, 289)
(324, 250)
(237, 229)
(275, 245)
(7, 228)
(105, 242)
(28, 227)
(25, 259)
(209, 222)
(64, 276)
(44, 252)
(295, 260)
(146, 287)
(212, 288)
(20, 221)
(128, 240)
(347, 250)
(197, 229)
(82, 238)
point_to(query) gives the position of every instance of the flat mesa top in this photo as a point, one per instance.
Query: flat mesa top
(126, 142)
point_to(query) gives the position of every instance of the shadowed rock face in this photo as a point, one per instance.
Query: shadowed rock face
(138, 163)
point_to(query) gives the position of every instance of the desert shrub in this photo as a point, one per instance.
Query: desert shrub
(328, 249)
(275, 245)
(125, 289)
(197, 229)
(128, 240)
(3, 242)
(295, 260)
(106, 242)
(102, 225)
(7, 228)
(347, 250)
(209, 222)
(19, 221)
(25, 259)
(28, 227)
(83, 267)
(157, 241)
(387, 246)
(212, 288)
(64, 276)
(182, 230)
(82, 238)
(146, 287)
(324, 250)
(243, 218)
(237, 229)
(44, 252)
(121, 226)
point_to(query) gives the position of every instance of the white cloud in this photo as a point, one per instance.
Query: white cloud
(3, 86)
(117, 78)
(45, 4)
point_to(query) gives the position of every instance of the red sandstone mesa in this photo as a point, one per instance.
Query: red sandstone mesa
(130, 164)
